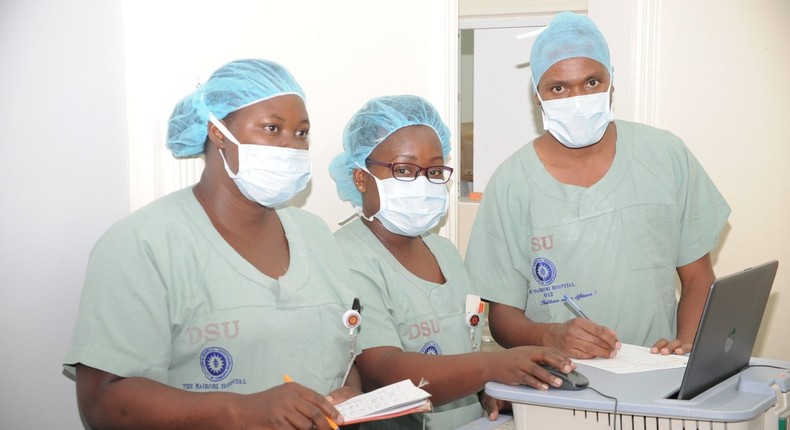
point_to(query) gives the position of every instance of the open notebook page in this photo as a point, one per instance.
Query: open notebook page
(400, 398)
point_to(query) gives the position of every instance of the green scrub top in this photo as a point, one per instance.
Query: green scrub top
(404, 311)
(613, 247)
(167, 298)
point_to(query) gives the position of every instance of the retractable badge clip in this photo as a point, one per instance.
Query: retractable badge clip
(351, 320)
(473, 317)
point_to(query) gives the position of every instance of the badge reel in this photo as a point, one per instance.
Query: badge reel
(474, 317)
(351, 320)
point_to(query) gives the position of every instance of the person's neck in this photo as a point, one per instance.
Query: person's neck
(389, 239)
(580, 166)
(227, 206)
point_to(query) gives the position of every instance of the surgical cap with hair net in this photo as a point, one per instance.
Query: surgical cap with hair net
(568, 35)
(233, 86)
(371, 125)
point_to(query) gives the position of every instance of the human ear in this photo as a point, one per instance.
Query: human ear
(360, 179)
(215, 136)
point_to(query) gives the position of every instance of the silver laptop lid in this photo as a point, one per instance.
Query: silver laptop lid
(728, 328)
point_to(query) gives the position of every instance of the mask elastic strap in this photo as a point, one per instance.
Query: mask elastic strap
(359, 208)
(225, 132)
(542, 110)
(609, 90)
(362, 215)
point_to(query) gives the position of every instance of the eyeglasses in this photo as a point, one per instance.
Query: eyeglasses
(408, 172)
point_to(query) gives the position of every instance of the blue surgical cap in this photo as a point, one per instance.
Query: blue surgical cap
(233, 86)
(568, 35)
(371, 125)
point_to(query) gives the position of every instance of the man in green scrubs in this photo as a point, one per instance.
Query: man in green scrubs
(604, 212)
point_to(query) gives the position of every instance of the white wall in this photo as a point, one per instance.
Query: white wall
(64, 180)
(341, 52)
(66, 161)
(722, 86)
(65, 176)
(716, 76)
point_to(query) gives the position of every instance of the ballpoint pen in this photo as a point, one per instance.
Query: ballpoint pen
(574, 306)
(332, 422)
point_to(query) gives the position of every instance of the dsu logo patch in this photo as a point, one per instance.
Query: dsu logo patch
(216, 363)
(543, 271)
(431, 348)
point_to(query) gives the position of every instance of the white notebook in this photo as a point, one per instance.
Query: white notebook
(400, 398)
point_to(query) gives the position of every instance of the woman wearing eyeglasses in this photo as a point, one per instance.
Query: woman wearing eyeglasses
(412, 283)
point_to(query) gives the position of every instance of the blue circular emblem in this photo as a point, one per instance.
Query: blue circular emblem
(543, 271)
(431, 348)
(216, 363)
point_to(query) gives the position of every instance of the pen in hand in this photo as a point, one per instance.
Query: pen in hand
(574, 306)
(332, 422)
(578, 311)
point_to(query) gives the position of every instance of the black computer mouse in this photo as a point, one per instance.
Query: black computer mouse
(570, 381)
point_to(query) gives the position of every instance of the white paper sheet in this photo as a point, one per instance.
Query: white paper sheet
(635, 358)
(392, 399)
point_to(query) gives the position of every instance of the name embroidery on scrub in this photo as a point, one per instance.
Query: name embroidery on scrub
(542, 242)
(423, 329)
(212, 331)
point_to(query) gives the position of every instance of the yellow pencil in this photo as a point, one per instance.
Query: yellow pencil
(332, 422)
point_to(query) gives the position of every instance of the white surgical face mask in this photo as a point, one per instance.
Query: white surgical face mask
(578, 121)
(268, 175)
(409, 208)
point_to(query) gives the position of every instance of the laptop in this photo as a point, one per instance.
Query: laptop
(728, 328)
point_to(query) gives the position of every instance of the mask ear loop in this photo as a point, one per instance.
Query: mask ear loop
(542, 111)
(609, 90)
(225, 132)
(359, 210)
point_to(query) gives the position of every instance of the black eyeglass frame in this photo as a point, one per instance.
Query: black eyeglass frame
(419, 171)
